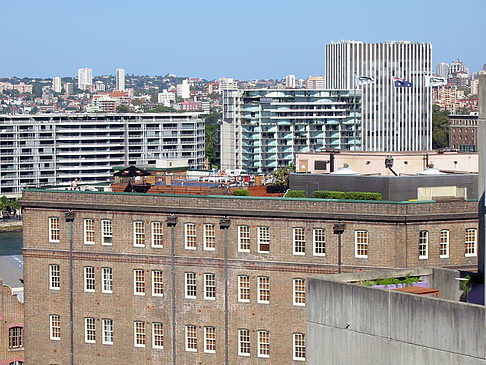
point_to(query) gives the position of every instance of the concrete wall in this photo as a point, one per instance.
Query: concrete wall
(351, 324)
(446, 281)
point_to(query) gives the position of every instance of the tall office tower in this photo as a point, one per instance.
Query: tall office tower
(56, 84)
(393, 118)
(290, 81)
(184, 89)
(443, 69)
(85, 78)
(120, 79)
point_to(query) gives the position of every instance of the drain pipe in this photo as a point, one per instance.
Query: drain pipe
(70, 215)
(171, 222)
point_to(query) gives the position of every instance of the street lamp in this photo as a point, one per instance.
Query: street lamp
(339, 229)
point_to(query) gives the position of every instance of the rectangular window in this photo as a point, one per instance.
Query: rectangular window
(191, 338)
(361, 244)
(89, 231)
(106, 232)
(107, 331)
(209, 237)
(139, 333)
(423, 244)
(190, 236)
(244, 342)
(191, 288)
(210, 339)
(89, 279)
(107, 277)
(244, 238)
(54, 277)
(54, 327)
(299, 347)
(89, 330)
(15, 337)
(244, 289)
(139, 282)
(263, 344)
(299, 292)
(319, 242)
(157, 234)
(471, 242)
(263, 239)
(264, 289)
(209, 286)
(157, 283)
(139, 234)
(157, 335)
(299, 241)
(54, 229)
(444, 244)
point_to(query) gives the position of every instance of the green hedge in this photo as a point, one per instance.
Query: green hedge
(295, 194)
(241, 192)
(351, 195)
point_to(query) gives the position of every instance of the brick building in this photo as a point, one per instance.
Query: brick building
(215, 278)
(11, 327)
(463, 132)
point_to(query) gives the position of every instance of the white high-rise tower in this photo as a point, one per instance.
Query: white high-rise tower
(85, 78)
(120, 79)
(56, 84)
(393, 118)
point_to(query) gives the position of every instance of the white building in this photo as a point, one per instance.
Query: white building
(120, 79)
(393, 118)
(184, 89)
(165, 98)
(290, 81)
(85, 78)
(443, 70)
(100, 86)
(56, 84)
(315, 82)
(227, 83)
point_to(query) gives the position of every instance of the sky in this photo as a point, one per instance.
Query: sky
(246, 39)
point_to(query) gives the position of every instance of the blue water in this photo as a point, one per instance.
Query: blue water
(10, 243)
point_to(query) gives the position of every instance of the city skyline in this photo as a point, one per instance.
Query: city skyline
(266, 30)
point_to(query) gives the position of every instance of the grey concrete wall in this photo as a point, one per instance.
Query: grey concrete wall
(446, 281)
(351, 324)
(395, 188)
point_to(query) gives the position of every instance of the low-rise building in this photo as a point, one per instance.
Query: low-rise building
(463, 130)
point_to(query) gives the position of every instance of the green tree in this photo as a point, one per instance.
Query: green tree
(212, 140)
(162, 109)
(440, 127)
(123, 109)
(281, 175)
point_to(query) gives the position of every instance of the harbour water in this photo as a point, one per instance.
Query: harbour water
(10, 243)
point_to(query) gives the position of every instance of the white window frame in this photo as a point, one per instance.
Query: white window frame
(298, 243)
(296, 348)
(246, 333)
(263, 238)
(89, 223)
(192, 236)
(190, 349)
(444, 243)
(296, 303)
(89, 331)
(138, 235)
(89, 279)
(155, 289)
(260, 343)
(54, 230)
(138, 290)
(240, 289)
(157, 234)
(108, 331)
(475, 246)
(262, 290)
(209, 241)
(357, 244)
(190, 286)
(207, 340)
(423, 242)
(107, 280)
(243, 238)
(55, 327)
(142, 334)
(106, 232)
(54, 277)
(157, 335)
(210, 286)
(316, 242)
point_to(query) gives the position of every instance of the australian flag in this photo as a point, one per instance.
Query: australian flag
(400, 82)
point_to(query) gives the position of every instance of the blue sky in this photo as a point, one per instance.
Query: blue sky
(210, 39)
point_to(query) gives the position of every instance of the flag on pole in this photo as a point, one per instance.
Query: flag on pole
(435, 81)
(401, 82)
(363, 80)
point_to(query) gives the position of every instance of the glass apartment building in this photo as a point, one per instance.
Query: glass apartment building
(264, 128)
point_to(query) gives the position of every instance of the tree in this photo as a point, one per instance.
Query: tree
(123, 109)
(212, 140)
(281, 175)
(162, 109)
(440, 127)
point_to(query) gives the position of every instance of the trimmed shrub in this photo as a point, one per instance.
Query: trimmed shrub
(241, 192)
(351, 195)
(295, 194)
